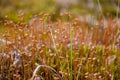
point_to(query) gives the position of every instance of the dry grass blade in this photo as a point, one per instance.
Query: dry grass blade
(49, 68)
(54, 44)
(110, 59)
(99, 5)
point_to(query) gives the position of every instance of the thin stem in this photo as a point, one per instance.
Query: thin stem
(100, 8)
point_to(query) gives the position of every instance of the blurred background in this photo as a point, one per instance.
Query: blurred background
(11, 8)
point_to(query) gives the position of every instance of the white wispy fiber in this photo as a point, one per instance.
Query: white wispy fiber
(15, 56)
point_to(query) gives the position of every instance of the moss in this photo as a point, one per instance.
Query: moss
(109, 9)
(117, 70)
(49, 6)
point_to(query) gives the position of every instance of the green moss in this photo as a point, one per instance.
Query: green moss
(109, 9)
